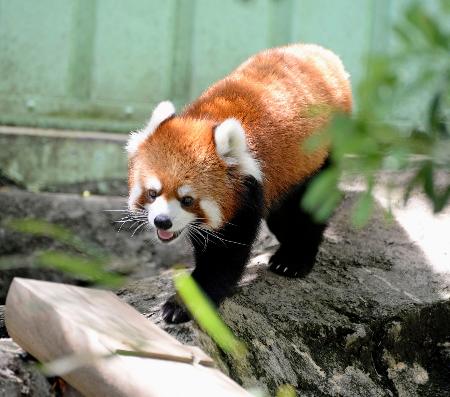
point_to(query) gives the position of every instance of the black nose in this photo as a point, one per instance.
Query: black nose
(163, 222)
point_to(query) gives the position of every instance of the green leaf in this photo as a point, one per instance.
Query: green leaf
(445, 6)
(39, 227)
(441, 200)
(428, 179)
(90, 269)
(316, 141)
(363, 209)
(404, 35)
(320, 188)
(286, 391)
(413, 182)
(427, 26)
(323, 195)
(326, 208)
(206, 315)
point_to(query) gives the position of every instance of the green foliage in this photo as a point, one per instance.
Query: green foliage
(39, 227)
(380, 136)
(88, 268)
(206, 314)
(209, 320)
(89, 263)
(286, 391)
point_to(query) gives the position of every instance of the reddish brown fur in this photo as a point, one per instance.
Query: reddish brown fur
(273, 94)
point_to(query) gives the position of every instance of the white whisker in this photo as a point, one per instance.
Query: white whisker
(138, 227)
(214, 234)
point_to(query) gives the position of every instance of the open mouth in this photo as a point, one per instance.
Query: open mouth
(166, 236)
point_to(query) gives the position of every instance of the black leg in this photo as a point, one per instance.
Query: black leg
(220, 264)
(299, 235)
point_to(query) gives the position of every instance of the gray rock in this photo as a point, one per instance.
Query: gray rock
(18, 376)
(371, 319)
(89, 219)
(3, 331)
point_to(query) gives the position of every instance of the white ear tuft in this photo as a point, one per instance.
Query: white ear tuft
(229, 137)
(161, 113)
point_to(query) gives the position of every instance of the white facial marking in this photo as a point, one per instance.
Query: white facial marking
(161, 113)
(229, 137)
(185, 190)
(135, 193)
(172, 208)
(212, 211)
(153, 183)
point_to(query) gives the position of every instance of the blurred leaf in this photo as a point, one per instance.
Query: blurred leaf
(286, 391)
(39, 227)
(320, 187)
(327, 207)
(323, 195)
(445, 6)
(426, 25)
(404, 35)
(434, 114)
(319, 110)
(206, 314)
(363, 209)
(413, 183)
(89, 269)
(397, 159)
(428, 179)
(441, 201)
(316, 141)
(70, 363)
(379, 136)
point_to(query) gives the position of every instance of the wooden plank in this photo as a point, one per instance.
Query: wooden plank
(52, 321)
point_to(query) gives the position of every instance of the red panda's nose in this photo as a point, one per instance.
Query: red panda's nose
(162, 222)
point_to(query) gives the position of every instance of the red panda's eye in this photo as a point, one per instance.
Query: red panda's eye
(151, 195)
(187, 201)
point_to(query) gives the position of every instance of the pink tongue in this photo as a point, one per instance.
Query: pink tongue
(165, 235)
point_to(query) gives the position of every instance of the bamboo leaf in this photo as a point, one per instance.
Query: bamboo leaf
(206, 315)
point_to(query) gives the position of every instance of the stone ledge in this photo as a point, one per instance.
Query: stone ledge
(41, 158)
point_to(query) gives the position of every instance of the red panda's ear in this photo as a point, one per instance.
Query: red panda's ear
(229, 138)
(162, 112)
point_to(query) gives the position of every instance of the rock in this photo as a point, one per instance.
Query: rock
(7, 181)
(18, 378)
(3, 331)
(110, 187)
(56, 158)
(371, 319)
(88, 219)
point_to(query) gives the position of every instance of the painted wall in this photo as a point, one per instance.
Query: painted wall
(103, 64)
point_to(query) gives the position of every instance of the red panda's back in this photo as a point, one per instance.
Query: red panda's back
(281, 96)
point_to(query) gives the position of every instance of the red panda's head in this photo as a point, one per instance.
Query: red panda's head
(183, 172)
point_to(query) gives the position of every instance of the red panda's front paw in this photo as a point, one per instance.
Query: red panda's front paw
(173, 312)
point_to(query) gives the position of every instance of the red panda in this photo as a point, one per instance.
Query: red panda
(233, 157)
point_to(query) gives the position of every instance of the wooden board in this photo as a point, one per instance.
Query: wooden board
(52, 321)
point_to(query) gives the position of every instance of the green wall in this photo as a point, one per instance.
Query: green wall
(103, 64)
